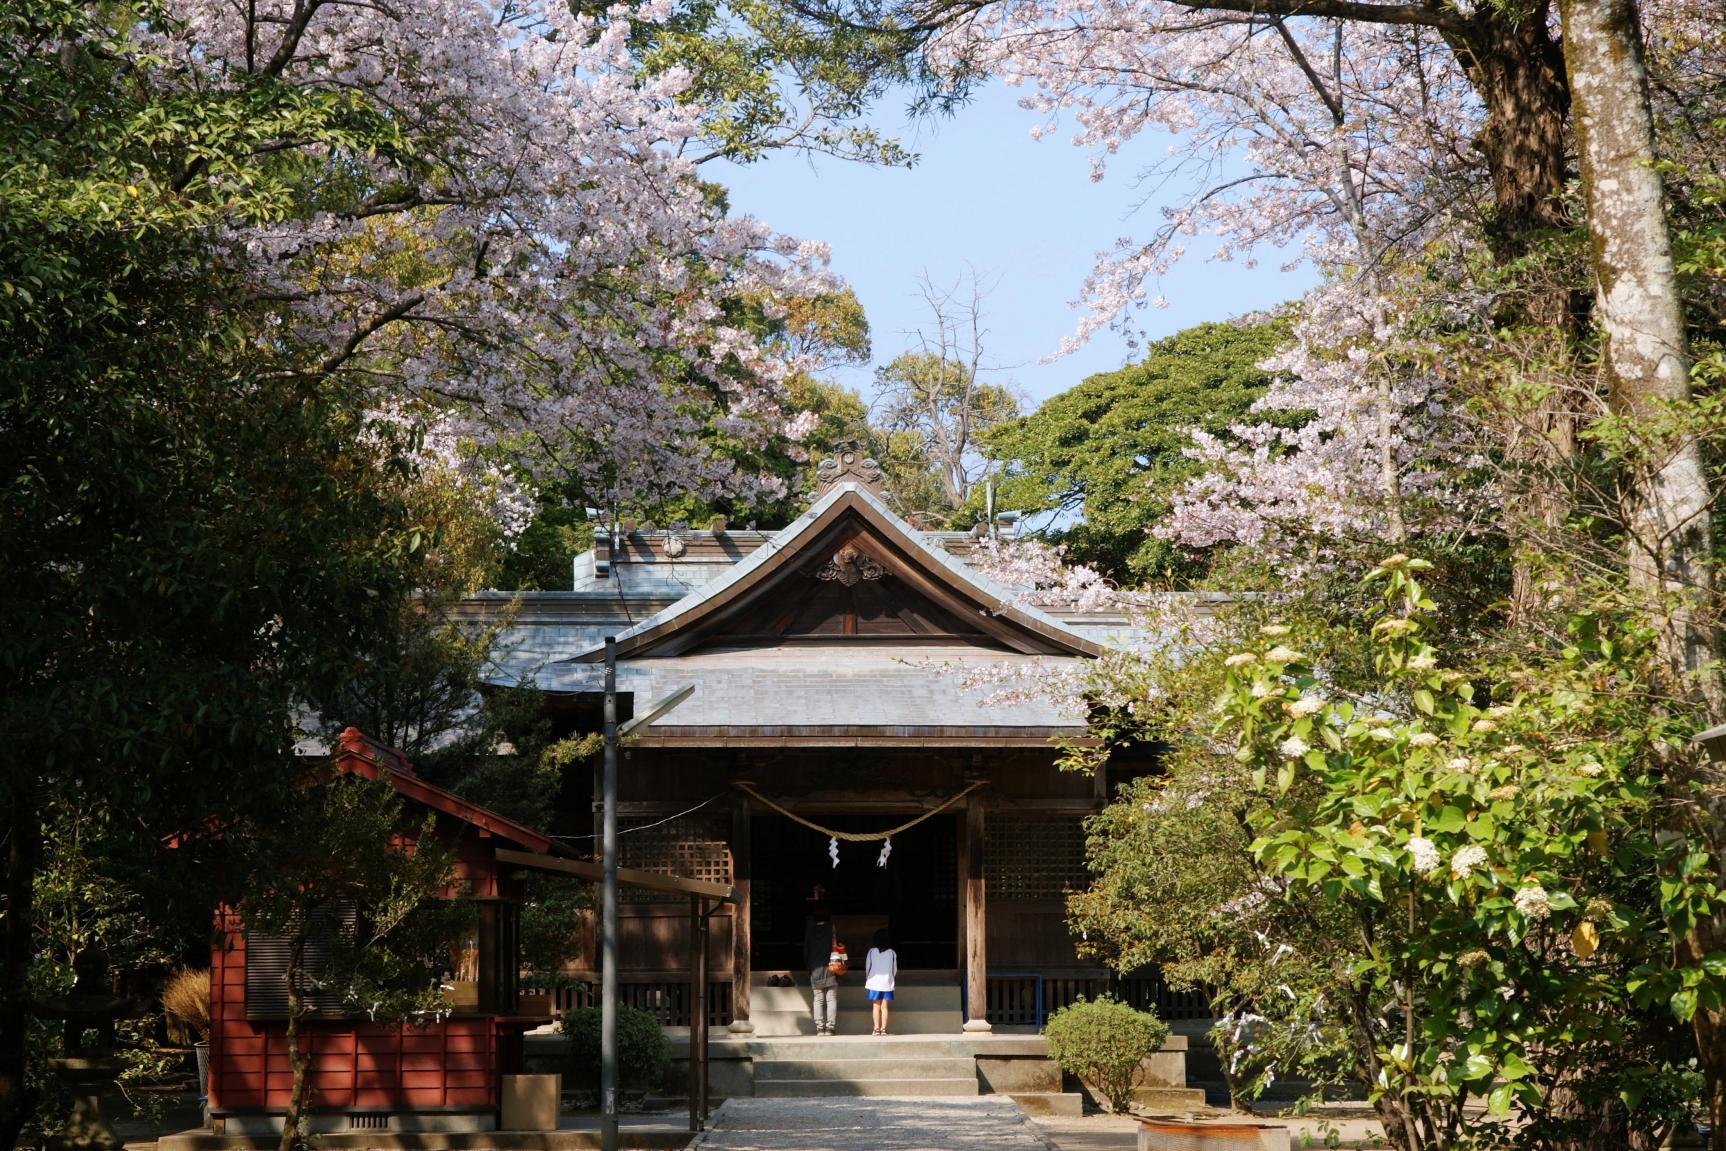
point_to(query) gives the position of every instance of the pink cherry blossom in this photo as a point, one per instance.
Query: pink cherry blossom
(536, 265)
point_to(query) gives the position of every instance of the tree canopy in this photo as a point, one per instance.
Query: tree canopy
(1108, 455)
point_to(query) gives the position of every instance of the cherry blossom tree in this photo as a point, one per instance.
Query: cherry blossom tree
(499, 228)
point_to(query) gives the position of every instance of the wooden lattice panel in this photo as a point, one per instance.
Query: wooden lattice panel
(1033, 856)
(693, 848)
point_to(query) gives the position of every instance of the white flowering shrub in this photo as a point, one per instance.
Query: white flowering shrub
(1503, 867)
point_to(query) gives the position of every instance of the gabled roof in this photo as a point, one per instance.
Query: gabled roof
(361, 755)
(925, 570)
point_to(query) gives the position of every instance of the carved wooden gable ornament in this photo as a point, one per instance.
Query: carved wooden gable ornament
(848, 462)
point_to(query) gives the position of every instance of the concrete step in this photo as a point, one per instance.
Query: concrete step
(864, 1069)
(818, 1088)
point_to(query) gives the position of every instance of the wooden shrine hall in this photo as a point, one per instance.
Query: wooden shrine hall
(848, 674)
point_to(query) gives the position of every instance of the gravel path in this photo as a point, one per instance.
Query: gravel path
(982, 1124)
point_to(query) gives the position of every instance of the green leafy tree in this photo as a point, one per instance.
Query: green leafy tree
(1512, 896)
(329, 875)
(1107, 455)
(192, 539)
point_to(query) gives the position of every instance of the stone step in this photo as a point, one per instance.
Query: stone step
(860, 1069)
(1169, 1098)
(861, 1047)
(905, 998)
(789, 1024)
(818, 1088)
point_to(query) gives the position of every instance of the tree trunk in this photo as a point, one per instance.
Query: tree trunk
(23, 837)
(1517, 68)
(1647, 371)
(1644, 360)
(299, 1061)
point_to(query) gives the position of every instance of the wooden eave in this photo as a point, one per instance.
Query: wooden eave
(814, 735)
(629, 876)
(359, 754)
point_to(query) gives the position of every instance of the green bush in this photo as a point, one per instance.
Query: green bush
(1103, 1042)
(642, 1052)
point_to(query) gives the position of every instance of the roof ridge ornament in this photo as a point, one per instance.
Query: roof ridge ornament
(848, 462)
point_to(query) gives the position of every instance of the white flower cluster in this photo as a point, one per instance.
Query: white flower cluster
(1423, 854)
(1533, 902)
(1467, 860)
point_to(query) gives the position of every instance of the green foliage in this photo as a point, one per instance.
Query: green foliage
(1103, 1041)
(337, 847)
(932, 416)
(642, 1049)
(1109, 452)
(766, 81)
(1503, 866)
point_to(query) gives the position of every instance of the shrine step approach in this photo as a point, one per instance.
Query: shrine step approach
(948, 1065)
(923, 1004)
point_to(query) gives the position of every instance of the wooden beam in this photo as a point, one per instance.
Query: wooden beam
(649, 880)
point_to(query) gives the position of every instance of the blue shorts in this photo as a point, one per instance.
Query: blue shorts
(880, 997)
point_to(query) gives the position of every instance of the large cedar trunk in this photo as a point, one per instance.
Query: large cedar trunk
(1517, 68)
(23, 839)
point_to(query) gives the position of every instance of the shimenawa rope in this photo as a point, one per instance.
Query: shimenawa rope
(857, 836)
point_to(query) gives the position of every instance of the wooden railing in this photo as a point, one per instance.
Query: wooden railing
(1028, 998)
(666, 1000)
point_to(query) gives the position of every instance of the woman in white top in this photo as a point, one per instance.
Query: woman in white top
(881, 969)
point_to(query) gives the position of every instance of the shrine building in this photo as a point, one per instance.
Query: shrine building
(845, 673)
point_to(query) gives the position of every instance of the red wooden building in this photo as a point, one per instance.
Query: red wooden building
(439, 1075)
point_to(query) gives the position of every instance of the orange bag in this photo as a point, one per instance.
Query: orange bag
(838, 960)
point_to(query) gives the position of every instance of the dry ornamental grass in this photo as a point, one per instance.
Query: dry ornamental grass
(186, 1000)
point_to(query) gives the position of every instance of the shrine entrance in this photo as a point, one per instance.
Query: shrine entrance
(915, 895)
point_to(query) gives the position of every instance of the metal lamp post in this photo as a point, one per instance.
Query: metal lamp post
(614, 735)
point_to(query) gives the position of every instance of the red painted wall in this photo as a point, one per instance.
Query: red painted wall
(357, 1065)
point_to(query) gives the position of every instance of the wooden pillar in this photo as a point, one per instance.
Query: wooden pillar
(976, 925)
(697, 1012)
(741, 958)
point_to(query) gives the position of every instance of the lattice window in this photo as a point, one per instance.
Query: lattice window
(694, 847)
(943, 877)
(763, 889)
(1033, 856)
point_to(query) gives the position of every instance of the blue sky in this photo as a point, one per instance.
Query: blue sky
(1023, 212)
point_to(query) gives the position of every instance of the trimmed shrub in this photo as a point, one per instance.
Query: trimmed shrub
(1102, 1042)
(642, 1051)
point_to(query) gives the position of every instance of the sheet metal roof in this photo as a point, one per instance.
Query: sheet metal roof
(834, 692)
